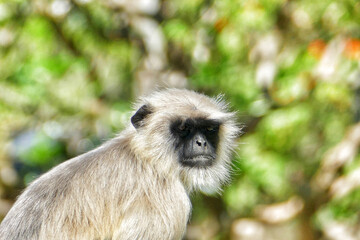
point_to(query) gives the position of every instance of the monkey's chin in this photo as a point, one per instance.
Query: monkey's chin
(205, 179)
(199, 161)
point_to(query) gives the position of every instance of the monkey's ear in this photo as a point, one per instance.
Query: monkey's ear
(140, 115)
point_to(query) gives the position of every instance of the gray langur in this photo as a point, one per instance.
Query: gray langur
(136, 185)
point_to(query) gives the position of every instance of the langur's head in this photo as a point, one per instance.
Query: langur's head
(186, 134)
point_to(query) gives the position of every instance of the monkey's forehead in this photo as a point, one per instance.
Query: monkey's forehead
(186, 103)
(183, 98)
(194, 112)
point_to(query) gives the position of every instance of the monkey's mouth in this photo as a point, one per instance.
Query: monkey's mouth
(200, 161)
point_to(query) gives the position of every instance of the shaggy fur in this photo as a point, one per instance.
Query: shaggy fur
(131, 187)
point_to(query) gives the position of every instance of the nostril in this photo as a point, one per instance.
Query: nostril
(201, 143)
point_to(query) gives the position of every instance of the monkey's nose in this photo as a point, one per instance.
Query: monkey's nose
(201, 143)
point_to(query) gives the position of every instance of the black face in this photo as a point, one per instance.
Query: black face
(196, 141)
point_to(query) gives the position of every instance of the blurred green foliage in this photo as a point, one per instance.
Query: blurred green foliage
(69, 70)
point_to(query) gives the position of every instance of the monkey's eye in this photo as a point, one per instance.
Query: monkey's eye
(212, 128)
(183, 130)
(181, 127)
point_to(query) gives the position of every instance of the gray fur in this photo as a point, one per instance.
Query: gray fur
(131, 187)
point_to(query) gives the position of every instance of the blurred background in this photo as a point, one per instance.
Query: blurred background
(69, 70)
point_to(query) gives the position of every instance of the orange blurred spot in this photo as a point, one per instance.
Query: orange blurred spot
(352, 49)
(316, 48)
(220, 24)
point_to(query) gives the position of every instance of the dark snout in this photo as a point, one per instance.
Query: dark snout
(198, 152)
(200, 146)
